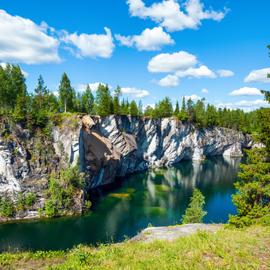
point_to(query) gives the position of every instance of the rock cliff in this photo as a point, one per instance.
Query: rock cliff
(106, 148)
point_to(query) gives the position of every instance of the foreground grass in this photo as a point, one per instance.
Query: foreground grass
(227, 249)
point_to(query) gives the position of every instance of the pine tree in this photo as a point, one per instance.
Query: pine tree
(253, 188)
(41, 89)
(199, 114)
(140, 108)
(149, 111)
(195, 213)
(133, 109)
(183, 113)
(116, 103)
(66, 94)
(163, 108)
(21, 108)
(176, 110)
(190, 110)
(103, 104)
(87, 100)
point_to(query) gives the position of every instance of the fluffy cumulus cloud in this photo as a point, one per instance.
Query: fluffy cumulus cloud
(193, 97)
(246, 105)
(167, 62)
(23, 41)
(205, 91)
(148, 40)
(246, 91)
(259, 75)
(93, 86)
(225, 73)
(91, 45)
(173, 16)
(200, 72)
(182, 65)
(134, 92)
(169, 81)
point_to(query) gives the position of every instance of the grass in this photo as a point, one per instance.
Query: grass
(229, 248)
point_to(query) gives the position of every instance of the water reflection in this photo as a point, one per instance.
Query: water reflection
(159, 197)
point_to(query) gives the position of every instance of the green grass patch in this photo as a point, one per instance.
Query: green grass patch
(229, 248)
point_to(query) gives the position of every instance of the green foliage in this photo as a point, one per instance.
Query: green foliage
(253, 197)
(66, 94)
(163, 108)
(62, 191)
(176, 110)
(124, 107)
(6, 207)
(30, 199)
(24, 201)
(87, 101)
(133, 109)
(103, 102)
(116, 102)
(37, 109)
(195, 213)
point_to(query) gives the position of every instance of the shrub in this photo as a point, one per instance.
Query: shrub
(62, 190)
(6, 207)
(51, 209)
(195, 213)
(30, 199)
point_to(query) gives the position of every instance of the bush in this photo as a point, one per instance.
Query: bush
(195, 213)
(6, 207)
(62, 190)
(30, 199)
(24, 201)
(51, 209)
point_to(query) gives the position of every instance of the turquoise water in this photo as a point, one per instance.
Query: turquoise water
(157, 197)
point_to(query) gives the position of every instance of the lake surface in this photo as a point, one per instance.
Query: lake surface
(158, 197)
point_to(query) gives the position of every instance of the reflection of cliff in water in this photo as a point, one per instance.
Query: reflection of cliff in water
(212, 177)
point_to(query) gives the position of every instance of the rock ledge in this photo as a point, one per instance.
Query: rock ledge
(174, 232)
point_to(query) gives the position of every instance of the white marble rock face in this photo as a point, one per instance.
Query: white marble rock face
(132, 143)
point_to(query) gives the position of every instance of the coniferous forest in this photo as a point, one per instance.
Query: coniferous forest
(34, 109)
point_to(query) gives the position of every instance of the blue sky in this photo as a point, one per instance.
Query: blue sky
(151, 48)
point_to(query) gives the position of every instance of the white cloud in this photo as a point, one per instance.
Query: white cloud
(148, 40)
(205, 91)
(23, 41)
(245, 105)
(166, 62)
(172, 16)
(200, 72)
(169, 81)
(91, 45)
(246, 91)
(225, 73)
(259, 75)
(93, 86)
(193, 97)
(134, 92)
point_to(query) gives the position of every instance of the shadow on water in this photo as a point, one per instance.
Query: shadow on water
(158, 197)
